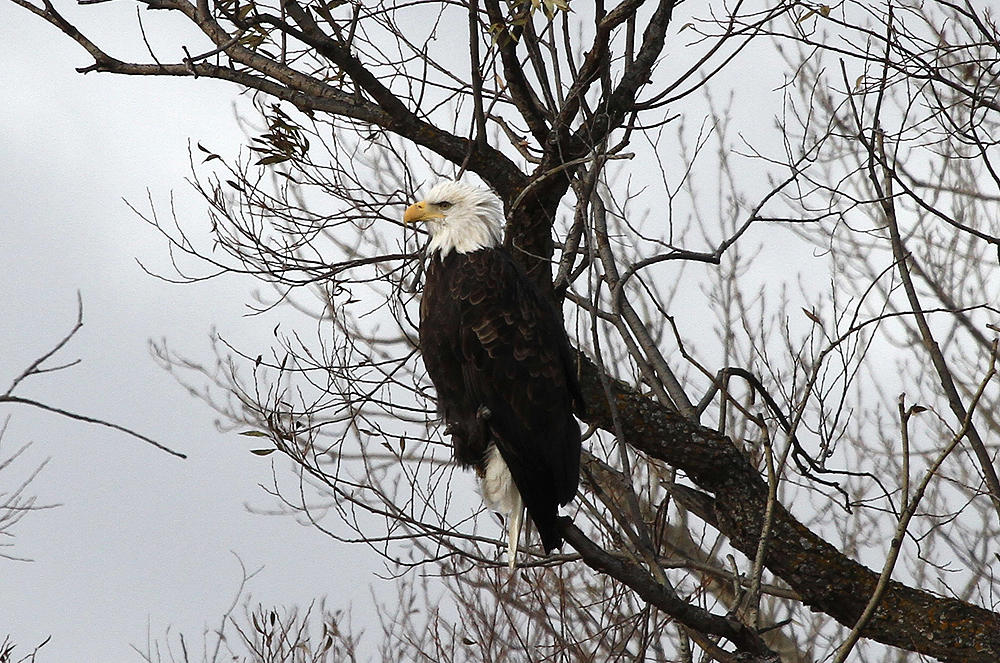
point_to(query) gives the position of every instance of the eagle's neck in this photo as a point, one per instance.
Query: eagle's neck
(464, 234)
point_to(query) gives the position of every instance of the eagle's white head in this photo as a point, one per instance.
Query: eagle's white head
(459, 216)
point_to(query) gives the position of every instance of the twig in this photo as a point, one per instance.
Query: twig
(34, 367)
(909, 511)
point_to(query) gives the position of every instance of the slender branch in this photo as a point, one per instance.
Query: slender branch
(883, 186)
(522, 95)
(664, 598)
(35, 367)
(17, 400)
(910, 509)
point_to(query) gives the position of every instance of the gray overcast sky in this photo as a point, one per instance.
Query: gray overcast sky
(141, 537)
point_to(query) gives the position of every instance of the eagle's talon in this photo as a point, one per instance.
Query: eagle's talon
(483, 413)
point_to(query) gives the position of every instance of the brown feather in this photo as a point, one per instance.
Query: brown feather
(489, 340)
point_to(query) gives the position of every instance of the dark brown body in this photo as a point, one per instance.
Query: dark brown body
(499, 359)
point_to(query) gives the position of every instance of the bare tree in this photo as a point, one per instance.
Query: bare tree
(841, 249)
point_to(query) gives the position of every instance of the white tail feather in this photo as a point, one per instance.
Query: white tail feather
(514, 532)
(502, 496)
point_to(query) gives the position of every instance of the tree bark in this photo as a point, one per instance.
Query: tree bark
(827, 580)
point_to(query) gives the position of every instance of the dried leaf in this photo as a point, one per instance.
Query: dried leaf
(812, 316)
(274, 158)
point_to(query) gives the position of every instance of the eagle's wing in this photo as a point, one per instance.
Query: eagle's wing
(515, 362)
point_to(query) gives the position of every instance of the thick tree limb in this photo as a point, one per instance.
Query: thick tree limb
(827, 580)
(617, 106)
(594, 64)
(529, 225)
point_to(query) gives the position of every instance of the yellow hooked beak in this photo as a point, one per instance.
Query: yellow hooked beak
(421, 211)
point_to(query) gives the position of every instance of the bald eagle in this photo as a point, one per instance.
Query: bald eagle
(500, 361)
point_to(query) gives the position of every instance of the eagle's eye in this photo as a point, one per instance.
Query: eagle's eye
(444, 204)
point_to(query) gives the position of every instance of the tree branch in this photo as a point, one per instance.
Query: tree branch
(17, 400)
(664, 598)
(524, 98)
(826, 579)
